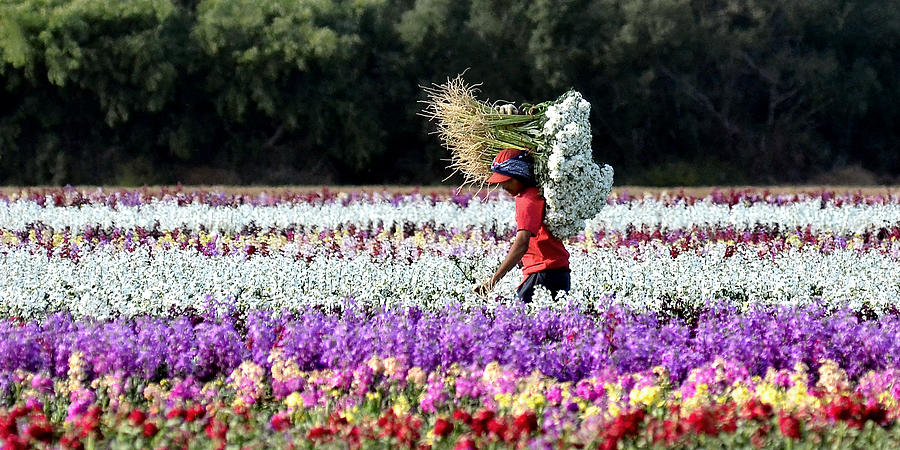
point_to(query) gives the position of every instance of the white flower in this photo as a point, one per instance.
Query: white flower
(574, 186)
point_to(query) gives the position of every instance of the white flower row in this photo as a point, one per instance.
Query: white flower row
(107, 284)
(574, 186)
(491, 215)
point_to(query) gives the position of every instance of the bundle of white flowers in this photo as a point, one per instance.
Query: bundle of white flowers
(574, 186)
(556, 133)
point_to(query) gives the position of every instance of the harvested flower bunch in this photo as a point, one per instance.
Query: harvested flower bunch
(556, 133)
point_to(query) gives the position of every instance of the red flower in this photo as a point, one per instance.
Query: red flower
(194, 412)
(14, 442)
(526, 422)
(216, 429)
(789, 426)
(729, 425)
(174, 413)
(407, 434)
(442, 428)
(318, 433)
(18, 411)
(465, 444)
(280, 422)
(876, 413)
(840, 409)
(625, 425)
(758, 438)
(137, 417)
(484, 415)
(702, 422)
(354, 434)
(462, 416)
(90, 421)
(40, 432)
(150, 429)
(673, 430)
(497, 427)
(8, 427)
(756, 410)
(479, 422)
(70, 442)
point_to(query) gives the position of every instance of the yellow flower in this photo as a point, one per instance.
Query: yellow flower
(614, 409)
(647, 396)
(740, 393)
(798, 396)
(887, 399)
(401, 405)
(503, 400)
(701, 397)
(450, 381)
(350, 414)
(537, 400)
(294, 401)
(591, 411)
(419, 239)
(9, 238)
(613, 392)
(768, 394)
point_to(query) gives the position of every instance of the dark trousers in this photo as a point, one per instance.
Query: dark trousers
(554, 280)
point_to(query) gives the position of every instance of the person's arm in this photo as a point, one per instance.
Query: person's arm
(514, 257)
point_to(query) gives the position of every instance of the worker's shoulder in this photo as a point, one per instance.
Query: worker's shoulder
(530, 193)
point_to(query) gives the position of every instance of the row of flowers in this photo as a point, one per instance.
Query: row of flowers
(567, 345)
(68, 196)
(382, 242)
(455, 407)
(487, 216)
(169, 281)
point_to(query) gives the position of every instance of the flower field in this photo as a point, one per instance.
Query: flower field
(174, 318)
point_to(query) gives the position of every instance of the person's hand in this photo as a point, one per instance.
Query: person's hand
(484, 288)
(508, 110)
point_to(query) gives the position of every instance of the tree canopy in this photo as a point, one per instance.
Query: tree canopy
(327, 91)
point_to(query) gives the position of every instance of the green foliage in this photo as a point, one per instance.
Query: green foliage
(310, 91)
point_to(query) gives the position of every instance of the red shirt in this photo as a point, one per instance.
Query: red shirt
(544, 250)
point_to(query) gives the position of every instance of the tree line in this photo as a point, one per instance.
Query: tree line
(327, 91)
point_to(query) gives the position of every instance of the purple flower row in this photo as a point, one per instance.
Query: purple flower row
(568, 345)
(69, 196)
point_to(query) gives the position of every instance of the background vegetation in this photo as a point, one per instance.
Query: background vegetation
(325, 91)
